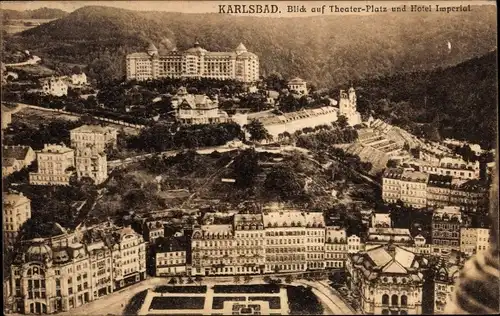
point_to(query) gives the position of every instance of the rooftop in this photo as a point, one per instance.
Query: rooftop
(13, 199)
(16, 152)
(93, 129)
(293, 218)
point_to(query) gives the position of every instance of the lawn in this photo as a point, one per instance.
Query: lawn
(274, 302)
(177, 302)
(218, 301)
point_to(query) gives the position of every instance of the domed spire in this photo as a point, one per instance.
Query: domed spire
(196, 43)
(152, 50)
(241, 48)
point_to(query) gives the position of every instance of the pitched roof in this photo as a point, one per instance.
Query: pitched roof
(16, 152)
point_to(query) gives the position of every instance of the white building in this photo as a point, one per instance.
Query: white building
(455, 167)
(298, 85)
(91, 165)
(16, 211)
(55, 165)
(335, 247)
(79, 79)
(15, 158)
(348, 107)
(381, 220)
(474, 240)
(54, 86)
(93, 136)
(195, 62)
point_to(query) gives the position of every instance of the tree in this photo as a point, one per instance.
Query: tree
(246, 167)
(247, 278)
(198, 279)
(342, 122)
(190, 280)
(181, 280)
(173, 281)
(237, 279)
(289, 279)
(267, 279)
(257, 131)
(282, 181)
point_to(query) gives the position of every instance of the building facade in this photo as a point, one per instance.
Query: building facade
(446, 224)
(474, 240)
(213, 250)
(15, 158)
(389, 280)
(55, 165)
(348, 106)
(51, 276)
(444, 285)
(455, 167)
(438, 190)
(194, 62)
(197, 109)
(54, 86)
(171, 256)
(16, 211)
(298, 85)
(93, 136)
(335, 247)
(91, 165)
(289, 236)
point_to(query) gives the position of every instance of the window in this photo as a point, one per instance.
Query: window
(385, 299)
(394, 299)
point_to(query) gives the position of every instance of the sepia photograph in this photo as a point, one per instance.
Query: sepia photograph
(249, 158)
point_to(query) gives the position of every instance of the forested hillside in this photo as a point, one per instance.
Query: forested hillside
(456, 102)
(42, 13)
(325, 50)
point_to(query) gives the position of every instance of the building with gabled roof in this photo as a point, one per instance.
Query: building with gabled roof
(15, 158)
(171, 256)
(445, 279)
(389, 280)
(299, 85)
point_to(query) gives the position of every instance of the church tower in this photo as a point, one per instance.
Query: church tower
(348, 106)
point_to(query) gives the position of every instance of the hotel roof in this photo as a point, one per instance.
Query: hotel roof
(393, 173)
(414, 176)
(442, 181)
(16, 152)
(93, 129)
(12, 200)
(293, 218)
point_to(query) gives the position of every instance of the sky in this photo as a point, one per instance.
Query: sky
(213, 6)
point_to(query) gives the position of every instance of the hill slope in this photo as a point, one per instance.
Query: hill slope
(42, 13)
(324, 50)
(458, 102)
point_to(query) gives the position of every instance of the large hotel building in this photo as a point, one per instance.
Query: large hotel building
(195, 62)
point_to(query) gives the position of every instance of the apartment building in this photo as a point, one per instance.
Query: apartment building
(250, 242)
(470, 195)
(55, 165)
(298, 85)
(214, 250)
(16, 211)
(455, 167)
(414, 188)
(446, 224)
(79, 79)
(152, 231)
(290, 235)
(474, 240)
(335, 247)
(171, 256)
(93, 136)
(388, 279)
(444, 284)
(15, 158)
(391, 184)
(57, 274)
(91, 165)
(439, 190)
(195, 62)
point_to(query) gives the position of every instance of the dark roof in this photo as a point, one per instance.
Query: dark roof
(172, 244)
(393, 173)
(437, 180)
(16, 152)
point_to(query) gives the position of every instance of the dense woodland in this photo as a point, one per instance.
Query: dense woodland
(42, 13)
(325, 50)
(456, 102)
